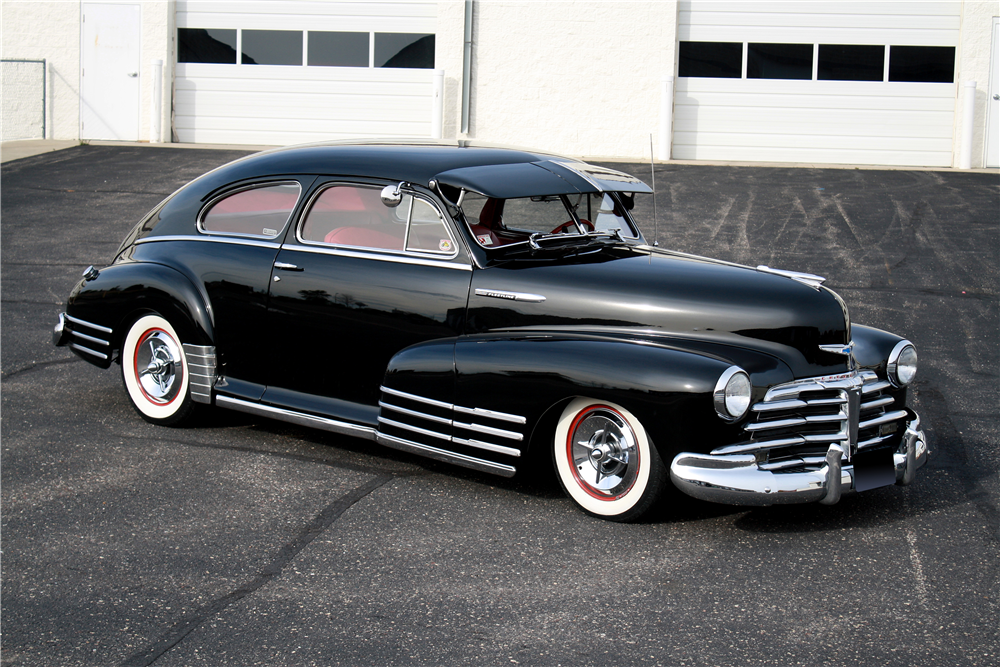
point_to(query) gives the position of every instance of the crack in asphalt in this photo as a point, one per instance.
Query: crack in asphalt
(37, 365)
(340, 465)
(320, 523)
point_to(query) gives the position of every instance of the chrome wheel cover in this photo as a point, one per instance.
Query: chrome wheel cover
(158, 367)
(604, 453)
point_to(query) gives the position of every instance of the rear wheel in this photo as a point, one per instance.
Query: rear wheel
(155, 371)
(605, 461)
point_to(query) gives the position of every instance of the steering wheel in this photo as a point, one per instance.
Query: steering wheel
(569, 226)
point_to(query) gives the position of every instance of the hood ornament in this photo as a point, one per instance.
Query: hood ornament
(809, 279)
(846, 350)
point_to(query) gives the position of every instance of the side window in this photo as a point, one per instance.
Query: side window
(257, 211)
(428, 233)
(352, 215)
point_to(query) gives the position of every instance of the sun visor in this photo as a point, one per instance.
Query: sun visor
(520, 179)
(605, 180)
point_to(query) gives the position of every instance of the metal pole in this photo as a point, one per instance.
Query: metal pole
(666, 116)
(968, 118)
(156, 109)
(45, 107)
(467, 67)
(437, 108)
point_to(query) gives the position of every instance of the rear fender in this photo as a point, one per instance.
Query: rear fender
(122, 293)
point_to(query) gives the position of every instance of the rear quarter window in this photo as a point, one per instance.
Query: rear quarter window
(261, 210)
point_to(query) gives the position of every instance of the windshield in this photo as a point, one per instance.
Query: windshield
(496, 222)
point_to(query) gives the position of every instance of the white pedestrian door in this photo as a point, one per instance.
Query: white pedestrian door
(109, 72)
(993, 102)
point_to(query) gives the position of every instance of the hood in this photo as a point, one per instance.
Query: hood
(647, 292)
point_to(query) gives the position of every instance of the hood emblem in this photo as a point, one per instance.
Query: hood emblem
(845, 350)
(809, 279)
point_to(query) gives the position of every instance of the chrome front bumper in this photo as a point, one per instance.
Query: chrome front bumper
(737, 480)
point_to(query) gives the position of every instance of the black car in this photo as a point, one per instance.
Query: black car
(497, 309)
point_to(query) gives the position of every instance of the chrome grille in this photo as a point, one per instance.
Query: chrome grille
(795, 424)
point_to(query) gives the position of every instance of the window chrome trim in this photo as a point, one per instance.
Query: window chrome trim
(255, 186)
(235, 240)
(373, 254)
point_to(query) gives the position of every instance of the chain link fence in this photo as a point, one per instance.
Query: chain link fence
(22, 99)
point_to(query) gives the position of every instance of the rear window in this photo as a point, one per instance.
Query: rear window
(261, 210)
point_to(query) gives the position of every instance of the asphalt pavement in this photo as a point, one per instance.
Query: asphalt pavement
(243, 541)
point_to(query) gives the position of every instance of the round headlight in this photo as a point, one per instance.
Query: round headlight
(902, 363)
(732, 394)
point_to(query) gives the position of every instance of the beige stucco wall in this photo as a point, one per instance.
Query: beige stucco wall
(581, 78)
(974, 65)
(51, 31)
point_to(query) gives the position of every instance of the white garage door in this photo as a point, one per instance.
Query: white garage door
(833, 82)
(279, 73)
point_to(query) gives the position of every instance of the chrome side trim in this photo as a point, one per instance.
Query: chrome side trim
(211, 239)
(201, 363)
(300, 418)
(414, 429)
(489, 430)
(510, 296)
(446, 456)
(92, 339)
(491, 414)
(87, 350)
(479, 444)
(380, 257)
(85, 323)
(418, 399)
(414, 413)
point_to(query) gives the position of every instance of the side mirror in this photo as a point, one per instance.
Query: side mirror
(391, 195)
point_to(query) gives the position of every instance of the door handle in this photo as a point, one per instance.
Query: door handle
(286, 267)
(133, 74)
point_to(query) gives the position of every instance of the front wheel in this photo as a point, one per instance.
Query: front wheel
(155, 371)
(605, 461)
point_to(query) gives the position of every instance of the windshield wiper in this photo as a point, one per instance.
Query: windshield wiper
(615, 234)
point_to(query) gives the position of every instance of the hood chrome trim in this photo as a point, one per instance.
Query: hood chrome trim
(809, 279)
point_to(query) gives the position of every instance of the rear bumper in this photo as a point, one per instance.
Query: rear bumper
(737, 479)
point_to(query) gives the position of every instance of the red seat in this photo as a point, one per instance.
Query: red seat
(364, 238)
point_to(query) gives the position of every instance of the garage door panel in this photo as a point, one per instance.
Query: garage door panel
(784, 120)
(290, 109)
(805, 155)
(282, 104)
(788, 140)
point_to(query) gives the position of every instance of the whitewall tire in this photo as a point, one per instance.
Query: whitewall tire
(155, 371)
(605, 462)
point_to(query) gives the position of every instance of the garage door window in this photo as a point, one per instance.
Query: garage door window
(200, 45)
(404, 50)
(338, 49)
(272, 47)
(928, 64)
(851, 62)
(779, 61)
(721, 60)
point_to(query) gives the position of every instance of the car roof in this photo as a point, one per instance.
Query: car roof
(496, 171)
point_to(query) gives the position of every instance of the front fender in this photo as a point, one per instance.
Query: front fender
(667, 387)
(122, 292)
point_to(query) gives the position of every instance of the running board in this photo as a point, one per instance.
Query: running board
(365, 432)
